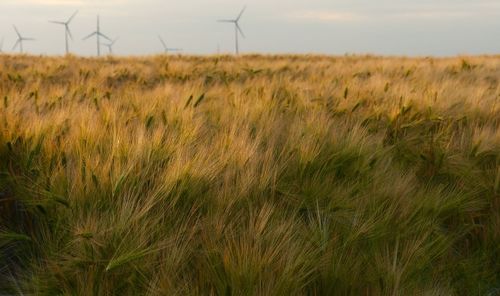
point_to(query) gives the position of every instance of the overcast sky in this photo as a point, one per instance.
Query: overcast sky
(389, 27)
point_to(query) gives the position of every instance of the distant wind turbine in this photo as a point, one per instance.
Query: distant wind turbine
(110, 45)
(20, 40)
(237, 28)
(98, 34)
(1, 45)
(67, 32)
(166, 48)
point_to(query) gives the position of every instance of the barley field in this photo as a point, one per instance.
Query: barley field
(252, 175)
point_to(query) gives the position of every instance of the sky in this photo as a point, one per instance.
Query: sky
(336, 27)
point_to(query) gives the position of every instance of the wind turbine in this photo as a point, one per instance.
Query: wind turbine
(237, 28)
(98, 34)
(110, 45)
(167, 49)
(20, 40)
(1, 45)
(67, 32)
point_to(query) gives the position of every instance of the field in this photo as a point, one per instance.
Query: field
(253, 175)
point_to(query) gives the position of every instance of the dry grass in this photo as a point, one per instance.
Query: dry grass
(260, 175)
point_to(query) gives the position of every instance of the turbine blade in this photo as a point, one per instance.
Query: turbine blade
(69, 32)
(102, 35)
(241, 13)
(239, 30)
(226, 21)
(16, 44)
(90, 35)
(71, 18)
(163, 42)
(114, 41)
(17, 32)
(28, 39)
(57, 22)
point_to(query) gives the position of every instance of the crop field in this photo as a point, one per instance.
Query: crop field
(252, 175)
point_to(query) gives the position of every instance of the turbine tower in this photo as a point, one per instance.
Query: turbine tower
(20, 40)
(110, 45)
(167, 49)
(237, 29)
(1, 45)
(67, 32)
(98, 34)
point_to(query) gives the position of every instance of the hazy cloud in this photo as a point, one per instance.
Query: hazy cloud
(79, 3)
(415, 13)
(326, 16)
